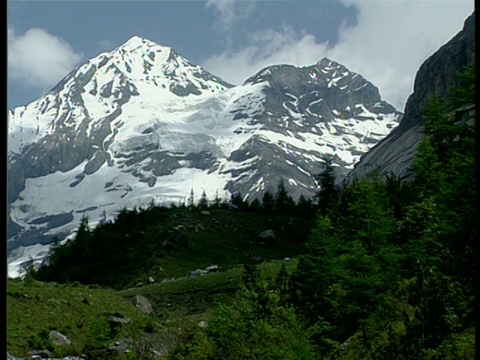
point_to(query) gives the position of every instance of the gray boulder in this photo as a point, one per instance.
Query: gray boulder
(267, 237)
(118, 321)
(58, 338)
(142, 304)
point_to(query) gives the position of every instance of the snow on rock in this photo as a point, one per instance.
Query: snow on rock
(141, 124)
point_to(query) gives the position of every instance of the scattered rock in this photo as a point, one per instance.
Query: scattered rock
(118, 321)
(58, 338)
(143, 304)
(40, 354)
(139, 284)
(202, 324)
(212, 268)
(197, 272)
(205, 212)
(267, 236)
(202, 272)
(151, 280)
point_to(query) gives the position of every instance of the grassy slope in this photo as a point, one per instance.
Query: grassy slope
(79, 312)
(192, 296)
(224, 237)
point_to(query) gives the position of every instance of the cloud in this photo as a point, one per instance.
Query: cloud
(224, 11)
(393, 38)
(267, 48)
(389, 42)
(229, 12)
(39, 59)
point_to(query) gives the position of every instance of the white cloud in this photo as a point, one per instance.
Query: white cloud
(39, 59)
(224, 11)
(393, 38)
(229, 12)
(268, 48)
(387, 46)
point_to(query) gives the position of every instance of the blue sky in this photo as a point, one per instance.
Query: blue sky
(384, 40)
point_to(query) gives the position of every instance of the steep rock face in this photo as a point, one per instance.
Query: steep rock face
(437, 75)
(141, 124)
(308, 113)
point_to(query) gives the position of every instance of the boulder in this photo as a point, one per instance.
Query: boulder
(39, 354)
(142, 304)
(267, 237)
(212, 268)
(118, 321)
(267, 234)
(198, 272)
(58, 338)
(202, 324)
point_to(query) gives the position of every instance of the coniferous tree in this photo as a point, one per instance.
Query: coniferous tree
(268, 202)
(255, 205)
(284, 203)
(191, 200)
(216, 201)
(305, 208)
(328, 193)
(236, 200)
(203, 202)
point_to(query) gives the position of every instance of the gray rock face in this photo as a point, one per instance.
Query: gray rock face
(320, 92)
(435, 78)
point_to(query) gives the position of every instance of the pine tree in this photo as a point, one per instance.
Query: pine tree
(328, 192)
(191, 200)
(203, 202)
(268, 202)
(284, 203)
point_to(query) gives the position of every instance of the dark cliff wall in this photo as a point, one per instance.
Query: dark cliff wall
(437, 75)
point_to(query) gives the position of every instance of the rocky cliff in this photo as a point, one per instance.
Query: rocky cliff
(437, 75)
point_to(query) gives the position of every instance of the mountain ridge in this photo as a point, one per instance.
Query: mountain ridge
(141, 124)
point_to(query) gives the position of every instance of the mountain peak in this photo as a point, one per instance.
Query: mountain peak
(138, 42)
(135, 41)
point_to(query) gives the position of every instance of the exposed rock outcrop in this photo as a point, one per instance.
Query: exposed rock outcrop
(435, 78)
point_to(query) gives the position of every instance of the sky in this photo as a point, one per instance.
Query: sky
(385, 41)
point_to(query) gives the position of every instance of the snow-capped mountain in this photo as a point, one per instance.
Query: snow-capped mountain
(142, 124)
